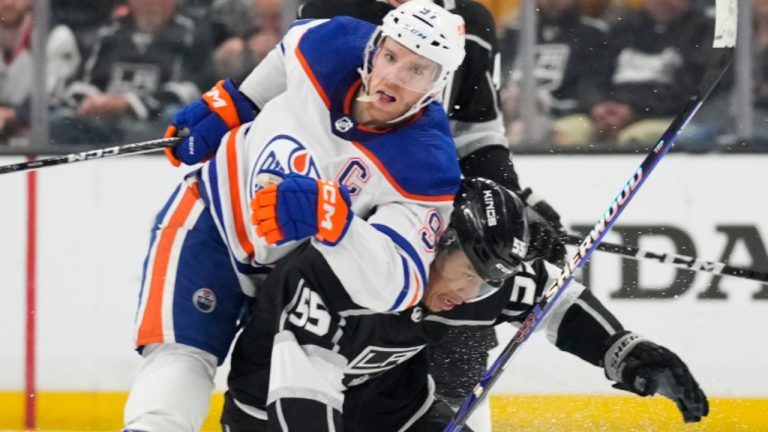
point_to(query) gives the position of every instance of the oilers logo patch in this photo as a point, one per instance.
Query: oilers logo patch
(204, 300)
(283, 154)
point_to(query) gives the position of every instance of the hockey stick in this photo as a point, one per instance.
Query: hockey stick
(682, 261)
(119, 150)
(724, 41)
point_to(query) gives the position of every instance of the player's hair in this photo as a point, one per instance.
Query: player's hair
(492, 227)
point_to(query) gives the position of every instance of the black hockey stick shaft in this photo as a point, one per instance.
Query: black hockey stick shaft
(102, 153)
(720, 61)
(682, 261)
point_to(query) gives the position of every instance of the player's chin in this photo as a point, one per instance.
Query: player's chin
(433, 304)
(394, 112)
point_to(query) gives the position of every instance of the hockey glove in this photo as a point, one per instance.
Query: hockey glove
(205, 121)
(301, 207)
(642, 367)
(547, 232)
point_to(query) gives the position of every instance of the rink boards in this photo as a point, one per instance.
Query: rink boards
(92, 230)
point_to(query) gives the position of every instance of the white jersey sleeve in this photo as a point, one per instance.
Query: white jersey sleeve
(398, 241)
(269, 78)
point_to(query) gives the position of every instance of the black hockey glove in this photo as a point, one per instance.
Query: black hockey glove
(547, 233)
(642, 367)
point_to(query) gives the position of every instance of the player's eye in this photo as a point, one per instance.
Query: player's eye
(417, 70)
(469, 276)
(389, 57)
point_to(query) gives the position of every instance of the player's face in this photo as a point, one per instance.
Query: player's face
(152, 15)
(452, 281)
(399, 78)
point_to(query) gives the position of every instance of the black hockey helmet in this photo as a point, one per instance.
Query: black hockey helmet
(491, 226)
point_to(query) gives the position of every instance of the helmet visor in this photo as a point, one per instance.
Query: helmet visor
(455, 270)
(395, 63)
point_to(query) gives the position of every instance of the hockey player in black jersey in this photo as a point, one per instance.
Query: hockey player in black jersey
(471, 101)
(311, 359)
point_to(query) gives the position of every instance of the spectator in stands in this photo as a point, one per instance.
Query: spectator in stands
(571, 68)
(198, 10)
(74, 29)
(83, 18)
(143, 66)
(659, 55)
(248, 45)
(15, 69)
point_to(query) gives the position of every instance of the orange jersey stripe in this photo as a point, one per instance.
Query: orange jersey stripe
(220, 101)
(151, 327)
(394, 183)
(416, 292)
(234, 194)
(312, 77)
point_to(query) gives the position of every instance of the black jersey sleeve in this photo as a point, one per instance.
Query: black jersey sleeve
(578, 323)
(493, 163)
(471, 100)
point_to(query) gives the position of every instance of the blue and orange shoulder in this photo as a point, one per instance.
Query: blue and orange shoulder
(420, 158)
(332, 50)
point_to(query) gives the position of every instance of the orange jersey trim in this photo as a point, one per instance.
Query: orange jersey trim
(312, 78)
(234, 194)
(394, 184)
(151, 328)
(416, 292)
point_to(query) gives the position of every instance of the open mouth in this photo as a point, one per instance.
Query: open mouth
(447, 304)
(385, 97)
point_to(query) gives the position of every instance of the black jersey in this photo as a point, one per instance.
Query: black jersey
(150, 70)
(310, 359)
(656, 68)
(572, 60)
(471, 98)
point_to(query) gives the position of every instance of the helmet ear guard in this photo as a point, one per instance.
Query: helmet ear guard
(492, 228)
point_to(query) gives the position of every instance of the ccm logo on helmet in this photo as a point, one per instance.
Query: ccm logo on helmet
(328, 192)
(490, 209)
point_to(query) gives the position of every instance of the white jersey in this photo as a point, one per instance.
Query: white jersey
(401, 181)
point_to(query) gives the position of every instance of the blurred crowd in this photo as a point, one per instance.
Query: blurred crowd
(607, 73)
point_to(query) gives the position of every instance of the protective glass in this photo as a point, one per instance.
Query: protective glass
(468, 283)
(404, 68)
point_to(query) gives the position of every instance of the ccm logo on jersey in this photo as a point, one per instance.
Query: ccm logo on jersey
(376, 359)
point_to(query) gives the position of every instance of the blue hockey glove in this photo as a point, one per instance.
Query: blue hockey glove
(205, 121)
(642, 367)
(301, 207)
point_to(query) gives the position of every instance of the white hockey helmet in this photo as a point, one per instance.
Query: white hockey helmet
(430, 31)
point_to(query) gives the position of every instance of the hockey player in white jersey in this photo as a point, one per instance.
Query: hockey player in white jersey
(312, 359)
(346, 114)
